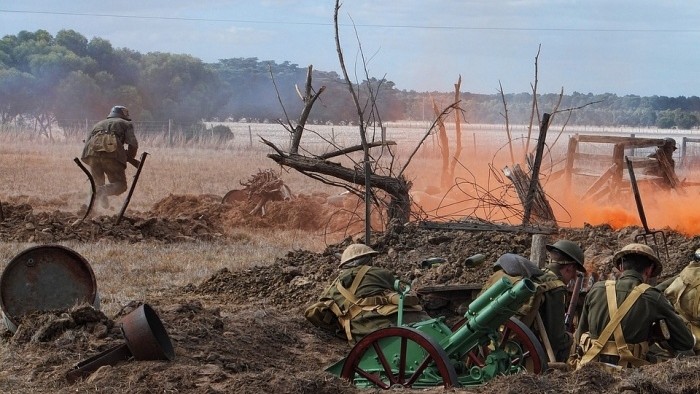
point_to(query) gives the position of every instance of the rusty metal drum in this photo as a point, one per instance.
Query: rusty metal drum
(45, 278)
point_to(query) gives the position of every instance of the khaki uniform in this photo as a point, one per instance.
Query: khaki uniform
(683, 292)
(553, 311)
(550, 301)
(375, 303)
(636, 324)
(108, 158)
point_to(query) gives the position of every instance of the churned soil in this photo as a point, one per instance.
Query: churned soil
(243, 330)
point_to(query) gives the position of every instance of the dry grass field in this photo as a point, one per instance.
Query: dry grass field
(233, 304)
(43, 174)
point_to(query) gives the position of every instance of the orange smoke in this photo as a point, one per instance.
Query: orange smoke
(663, 209)
(477, 185)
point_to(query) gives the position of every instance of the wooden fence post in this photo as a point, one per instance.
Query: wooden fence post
(538, 254)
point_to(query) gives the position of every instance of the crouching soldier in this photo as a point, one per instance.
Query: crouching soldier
(683, 292)
(362, 299)
(545, 310)
(619, 315)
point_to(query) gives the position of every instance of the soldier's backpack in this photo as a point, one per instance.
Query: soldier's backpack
(684, 294)
(357, 316)
(104, 141)
(515, 268)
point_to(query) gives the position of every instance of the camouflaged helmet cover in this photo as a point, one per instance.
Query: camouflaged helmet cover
(119, 111)
(640, 250)
(354, 252)
(571, 250)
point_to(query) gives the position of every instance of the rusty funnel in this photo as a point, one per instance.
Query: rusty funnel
(145, 339)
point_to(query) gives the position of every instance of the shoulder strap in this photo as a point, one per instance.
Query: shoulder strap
(552, 284)
(349, 294)
(615, 318)
(358, 278)
(623, 350)
(350, 303)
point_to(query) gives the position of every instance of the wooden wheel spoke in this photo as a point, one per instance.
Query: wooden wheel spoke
(419, 371)
(402, 359)
(374, 378)
(474, 358)
(530, 354)
(507, 332)
(385, 362)
(385, 377)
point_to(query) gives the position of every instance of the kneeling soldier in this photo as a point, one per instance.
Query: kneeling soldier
(617, 318)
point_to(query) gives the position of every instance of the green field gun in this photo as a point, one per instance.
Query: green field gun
(488, 342)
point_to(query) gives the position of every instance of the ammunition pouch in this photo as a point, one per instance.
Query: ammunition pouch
(610, 353)
(323, 314)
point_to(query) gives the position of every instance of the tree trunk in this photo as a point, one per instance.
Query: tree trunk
(397, 187)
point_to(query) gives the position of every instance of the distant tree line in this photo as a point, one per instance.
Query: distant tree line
(46, 79)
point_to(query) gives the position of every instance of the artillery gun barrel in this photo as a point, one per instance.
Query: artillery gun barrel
(487, 296)
(490, 317)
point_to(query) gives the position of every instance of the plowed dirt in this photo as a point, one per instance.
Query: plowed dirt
(243, 331)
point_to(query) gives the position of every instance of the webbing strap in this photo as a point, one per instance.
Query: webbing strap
(615, 319)
(623, 350)
(349, 295)
(358, 278)
(351, 300)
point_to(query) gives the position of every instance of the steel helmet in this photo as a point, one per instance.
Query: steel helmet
(119, 111)
(570, 250)
(516, 265)
(354, 252)
(640, 250)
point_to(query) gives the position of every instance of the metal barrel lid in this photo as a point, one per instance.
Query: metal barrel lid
(45, 278)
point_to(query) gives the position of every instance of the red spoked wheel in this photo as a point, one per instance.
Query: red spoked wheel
(516, 339)
(394, 368)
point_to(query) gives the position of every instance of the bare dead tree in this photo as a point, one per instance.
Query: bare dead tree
(444, 143)
(361, 178)
(445, 112)
(533, 110)
(458, 130)
(505, 116)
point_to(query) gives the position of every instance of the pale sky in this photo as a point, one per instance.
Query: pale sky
(639, 47)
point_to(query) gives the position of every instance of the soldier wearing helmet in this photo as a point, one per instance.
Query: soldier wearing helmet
(565, 261)
(620, 336)
(546, 309)
(664, 154)
(105, 154)
(363, 298)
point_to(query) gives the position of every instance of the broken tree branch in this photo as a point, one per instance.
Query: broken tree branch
(353, 149)
(505, 115)
(534, 180)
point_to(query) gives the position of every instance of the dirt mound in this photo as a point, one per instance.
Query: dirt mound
(176, 218)
(243, 330)
(301, 276)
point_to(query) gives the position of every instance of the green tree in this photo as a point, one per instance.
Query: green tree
(15, 94)
(73, 41)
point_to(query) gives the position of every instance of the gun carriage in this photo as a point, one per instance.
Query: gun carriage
(487, 343)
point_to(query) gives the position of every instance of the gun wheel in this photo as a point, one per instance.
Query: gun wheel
(396, 367)
(516, 339)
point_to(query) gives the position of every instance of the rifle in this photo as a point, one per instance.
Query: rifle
(573, 303)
